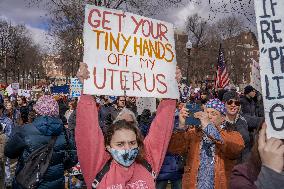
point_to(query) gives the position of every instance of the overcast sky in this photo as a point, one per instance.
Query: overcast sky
(36, 18)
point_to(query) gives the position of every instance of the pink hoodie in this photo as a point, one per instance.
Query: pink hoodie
(93, 156)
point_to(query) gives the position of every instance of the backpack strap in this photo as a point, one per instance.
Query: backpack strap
(147, 165)
(106, 168)
(101, 174)
(51, 142)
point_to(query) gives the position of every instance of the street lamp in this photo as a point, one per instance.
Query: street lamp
(188, 47)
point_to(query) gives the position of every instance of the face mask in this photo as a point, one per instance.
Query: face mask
(124, 157)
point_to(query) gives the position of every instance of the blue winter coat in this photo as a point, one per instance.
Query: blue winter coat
(29, 137)
(172, 168)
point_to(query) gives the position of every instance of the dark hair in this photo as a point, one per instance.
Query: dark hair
(122, 124)
(254, 161)
(2, 106)
(73, 103)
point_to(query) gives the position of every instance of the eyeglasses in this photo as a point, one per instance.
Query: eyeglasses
(236, 102)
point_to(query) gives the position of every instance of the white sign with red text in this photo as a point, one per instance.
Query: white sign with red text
(128, 54)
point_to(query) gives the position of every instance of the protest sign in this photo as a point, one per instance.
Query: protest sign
(270, 23)
(255, 75)
(146, 103)
(128, 54)
(75, 87)
(63, 89)
(9, 90)
(25, 93)
(15, 87)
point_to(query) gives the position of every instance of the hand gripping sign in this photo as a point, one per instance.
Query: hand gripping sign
(128, 53)
(270, 23)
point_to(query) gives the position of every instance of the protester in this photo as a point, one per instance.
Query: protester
(144, 121)
(13, 113)
(133, 158)
(173, 166)
(113, 111)
(6, 100)
(247, 102)
(30, 137)
(6, 122)
(209, 148)
(71, 107)
(3, 139)
(131, 104)
(7, 126)
(21, 105)
(242, 123)
(104, 110)
(265, 167)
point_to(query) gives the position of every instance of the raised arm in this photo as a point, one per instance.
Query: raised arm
(156, 142)
(89, 139)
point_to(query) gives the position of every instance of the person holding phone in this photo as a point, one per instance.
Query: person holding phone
(209, 147)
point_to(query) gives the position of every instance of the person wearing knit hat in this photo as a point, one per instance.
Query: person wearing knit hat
(248, 89)
(238, 122)
(209, 147)
(26, 139)
(247, 102)
(47, 106)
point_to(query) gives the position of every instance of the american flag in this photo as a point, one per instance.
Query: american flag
(222, 75)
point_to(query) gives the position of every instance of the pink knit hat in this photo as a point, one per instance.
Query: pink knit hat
(47, 106)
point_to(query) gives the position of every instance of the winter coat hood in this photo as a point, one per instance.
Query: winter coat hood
(48, 125)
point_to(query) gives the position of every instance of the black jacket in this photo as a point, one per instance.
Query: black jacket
(243, 124)
(29, 137)
(248, 106)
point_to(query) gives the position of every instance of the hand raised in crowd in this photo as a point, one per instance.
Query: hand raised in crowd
(271, 151)
(83, 72)
(182, 116)
(203, 117)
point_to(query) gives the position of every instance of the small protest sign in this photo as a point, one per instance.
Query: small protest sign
(25, 93)
(270, 23)
(255, 75)
(9, 90)
(75, 87)
(15, 87)
(146, 103)
(128, 54)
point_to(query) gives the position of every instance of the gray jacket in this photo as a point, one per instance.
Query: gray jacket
(269, 179)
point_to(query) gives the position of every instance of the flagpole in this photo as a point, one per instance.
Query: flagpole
(217, 67)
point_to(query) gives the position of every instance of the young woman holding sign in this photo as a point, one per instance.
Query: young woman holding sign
(121, 159)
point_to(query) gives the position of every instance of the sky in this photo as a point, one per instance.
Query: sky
(36, 18)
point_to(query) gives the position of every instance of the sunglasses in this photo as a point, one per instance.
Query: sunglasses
(236, 102)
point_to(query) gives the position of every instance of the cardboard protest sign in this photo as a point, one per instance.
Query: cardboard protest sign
(9, 90)
(15, 87)
(128, 53)
(270, 22)
(25, 93)
(75, 87)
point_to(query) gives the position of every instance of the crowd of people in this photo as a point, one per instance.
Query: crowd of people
(208, 139)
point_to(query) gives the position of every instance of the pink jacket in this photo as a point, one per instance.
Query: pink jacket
(93, 156)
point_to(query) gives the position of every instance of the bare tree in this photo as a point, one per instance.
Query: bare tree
(67, 18)
(18, 54)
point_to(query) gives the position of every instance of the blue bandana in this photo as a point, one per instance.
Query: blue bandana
(217, 105)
